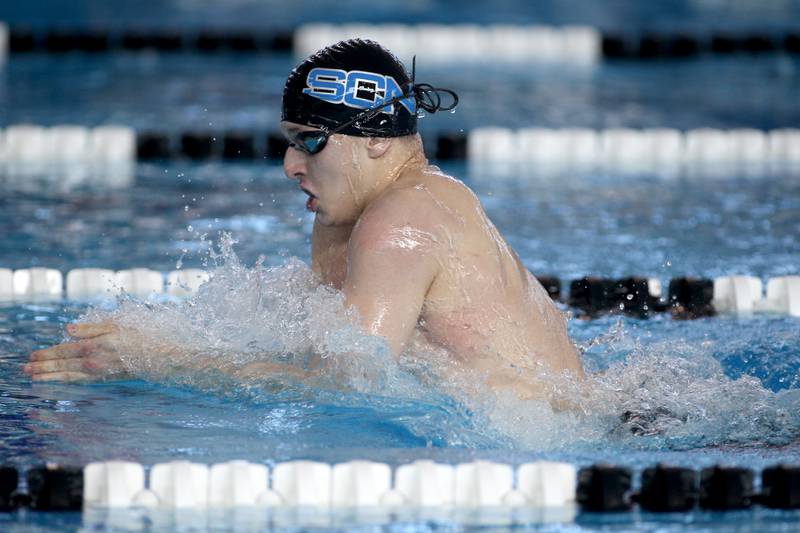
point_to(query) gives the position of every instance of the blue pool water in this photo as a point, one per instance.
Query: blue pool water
(717, 390)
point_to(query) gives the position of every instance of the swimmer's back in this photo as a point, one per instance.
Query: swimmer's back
(483, 304)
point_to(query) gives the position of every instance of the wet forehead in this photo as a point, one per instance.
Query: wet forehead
(291, 129)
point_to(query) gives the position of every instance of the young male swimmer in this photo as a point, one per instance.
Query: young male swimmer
(409, 246)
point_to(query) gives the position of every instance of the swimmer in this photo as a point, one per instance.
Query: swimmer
(410, 247)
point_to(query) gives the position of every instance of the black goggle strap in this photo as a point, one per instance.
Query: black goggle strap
(426, 95)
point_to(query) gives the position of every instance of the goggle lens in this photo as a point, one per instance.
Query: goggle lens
(311, 142)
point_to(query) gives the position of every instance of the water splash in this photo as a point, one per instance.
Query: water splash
(673, 395)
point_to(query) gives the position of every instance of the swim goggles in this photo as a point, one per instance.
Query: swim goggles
(426, 96)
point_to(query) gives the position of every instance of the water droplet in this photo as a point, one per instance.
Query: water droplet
(186, 208)
(189, 228)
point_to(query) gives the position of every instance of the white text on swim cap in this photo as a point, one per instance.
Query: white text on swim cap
(356, 88)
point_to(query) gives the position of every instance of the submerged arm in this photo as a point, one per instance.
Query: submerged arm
(104, 351)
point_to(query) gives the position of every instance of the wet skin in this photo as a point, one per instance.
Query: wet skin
(415, 255)
(413, 250)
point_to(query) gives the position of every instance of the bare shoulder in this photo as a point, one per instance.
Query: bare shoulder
(428, 201)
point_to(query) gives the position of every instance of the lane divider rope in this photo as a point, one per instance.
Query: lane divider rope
(591, 296)
(27, 150)
(440, 43)
(661, 151)
(360, 484)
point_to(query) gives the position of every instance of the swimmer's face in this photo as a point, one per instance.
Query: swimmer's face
(330, 178)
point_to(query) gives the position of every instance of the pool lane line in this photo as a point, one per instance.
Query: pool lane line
(535, 149)
(451, 39)
(490, 150)
(597, 488)
(590, 296)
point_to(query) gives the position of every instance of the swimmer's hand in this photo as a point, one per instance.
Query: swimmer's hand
(95, 356)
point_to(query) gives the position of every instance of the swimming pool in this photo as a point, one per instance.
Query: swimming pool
(728, 385)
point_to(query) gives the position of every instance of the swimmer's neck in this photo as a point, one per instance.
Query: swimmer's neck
(415, 163)
(408, 164)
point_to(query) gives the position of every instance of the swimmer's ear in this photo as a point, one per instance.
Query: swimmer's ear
(377, 146)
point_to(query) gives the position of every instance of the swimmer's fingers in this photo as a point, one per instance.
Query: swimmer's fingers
(90, 330)
(67, 350)
(55, 365)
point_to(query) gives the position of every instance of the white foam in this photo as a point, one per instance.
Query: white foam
(282, 315)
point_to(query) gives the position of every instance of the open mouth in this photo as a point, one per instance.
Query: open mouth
(311, 203)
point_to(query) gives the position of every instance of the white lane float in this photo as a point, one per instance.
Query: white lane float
(112, 483)
(180, 485)
(90, 283)
(579, 45)
(482, 484)
(37, 284)
(237, 484)
(140, 282)
(360, 484)
(303, 483)
(425, 483)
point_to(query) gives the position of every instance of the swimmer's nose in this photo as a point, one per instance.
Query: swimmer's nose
(294, 164)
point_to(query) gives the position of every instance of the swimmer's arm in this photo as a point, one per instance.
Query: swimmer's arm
(264, 369)
(391, 264)
(98, 351)
(328, 244)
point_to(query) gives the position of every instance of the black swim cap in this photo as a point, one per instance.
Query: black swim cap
(341, 81)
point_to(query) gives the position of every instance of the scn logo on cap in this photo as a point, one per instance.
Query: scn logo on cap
(356, 88)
